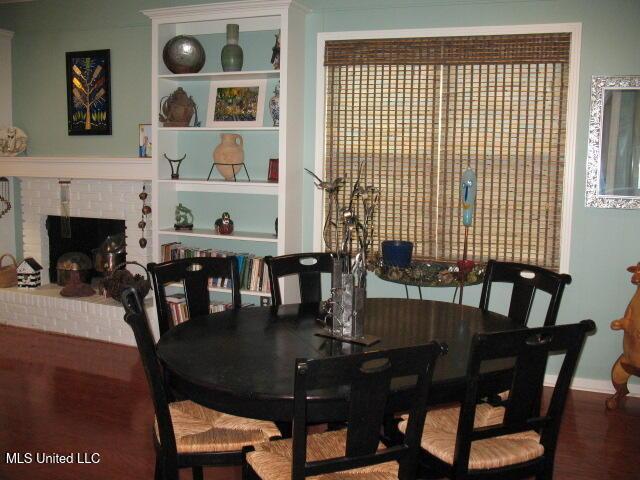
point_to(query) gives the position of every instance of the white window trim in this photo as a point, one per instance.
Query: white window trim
(572, 108)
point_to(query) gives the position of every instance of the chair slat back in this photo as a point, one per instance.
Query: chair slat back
(530, 347)
(308, 267)
(194, 275)
(136, 317)
(367, 378)
(526, 280)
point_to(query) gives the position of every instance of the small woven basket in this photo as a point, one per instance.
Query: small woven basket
(8, 273)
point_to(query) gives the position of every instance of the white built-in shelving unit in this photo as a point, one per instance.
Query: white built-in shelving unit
(259, 21)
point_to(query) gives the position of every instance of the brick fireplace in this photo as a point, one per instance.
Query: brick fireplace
(44, 309)
(117, 200)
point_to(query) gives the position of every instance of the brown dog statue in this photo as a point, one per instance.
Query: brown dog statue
(629, 362)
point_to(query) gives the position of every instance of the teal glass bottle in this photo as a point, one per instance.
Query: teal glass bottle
(231, 55)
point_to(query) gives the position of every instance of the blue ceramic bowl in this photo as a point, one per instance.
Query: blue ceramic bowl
(397, 253)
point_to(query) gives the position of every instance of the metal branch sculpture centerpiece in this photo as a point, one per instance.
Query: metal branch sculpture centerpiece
(352, 226)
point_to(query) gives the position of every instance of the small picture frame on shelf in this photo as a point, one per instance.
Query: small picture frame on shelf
(145, 140)
(238, 103)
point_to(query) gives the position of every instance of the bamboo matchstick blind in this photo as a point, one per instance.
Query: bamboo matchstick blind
(420, 110)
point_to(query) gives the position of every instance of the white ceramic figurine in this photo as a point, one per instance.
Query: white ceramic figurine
(13, 141)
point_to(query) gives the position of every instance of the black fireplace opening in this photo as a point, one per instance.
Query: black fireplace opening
(87, 234)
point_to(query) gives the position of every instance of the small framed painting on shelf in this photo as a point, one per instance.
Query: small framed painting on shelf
(145, 142)
(236, 104)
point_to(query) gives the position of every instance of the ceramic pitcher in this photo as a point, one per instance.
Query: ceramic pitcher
(229, 155)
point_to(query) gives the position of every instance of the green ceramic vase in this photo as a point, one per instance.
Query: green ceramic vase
(231, 55)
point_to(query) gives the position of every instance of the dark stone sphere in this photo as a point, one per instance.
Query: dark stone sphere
(184, 54)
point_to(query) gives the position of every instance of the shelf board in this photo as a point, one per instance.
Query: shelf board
(218, 129)
(222, 186)
(209, 233)
(199, 77)
(228, 290)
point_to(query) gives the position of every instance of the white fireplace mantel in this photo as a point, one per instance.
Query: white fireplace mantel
(90, 167)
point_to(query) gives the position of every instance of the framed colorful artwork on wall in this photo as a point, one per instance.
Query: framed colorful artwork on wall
(89, 92)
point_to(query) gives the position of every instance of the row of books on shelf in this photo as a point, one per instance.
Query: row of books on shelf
(180, 313)
(253, 270)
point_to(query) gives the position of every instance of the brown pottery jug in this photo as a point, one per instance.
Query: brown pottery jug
(229, 155)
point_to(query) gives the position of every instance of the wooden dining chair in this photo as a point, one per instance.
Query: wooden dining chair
(481, 441)
(193, 274)
(187, 435)
(526, 280)
(308, 267)
(356, 450)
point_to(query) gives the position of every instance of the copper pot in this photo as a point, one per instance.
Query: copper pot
(111, 253)
(73, 262)
(177, 109)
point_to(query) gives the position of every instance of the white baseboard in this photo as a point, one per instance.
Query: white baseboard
(591, 385)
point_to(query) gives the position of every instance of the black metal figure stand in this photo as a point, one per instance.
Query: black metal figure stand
(175, 173)
(234, 171)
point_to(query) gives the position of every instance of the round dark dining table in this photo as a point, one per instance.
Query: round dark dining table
(242, 361)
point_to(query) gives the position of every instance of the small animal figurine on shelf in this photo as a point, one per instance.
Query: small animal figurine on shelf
(184, 218)
(224, 225)
(629, 362)
(275, 55)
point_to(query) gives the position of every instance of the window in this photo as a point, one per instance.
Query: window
(420, 110)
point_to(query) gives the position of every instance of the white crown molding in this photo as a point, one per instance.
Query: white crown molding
(215, 10)
(6, 33)
(97, 168)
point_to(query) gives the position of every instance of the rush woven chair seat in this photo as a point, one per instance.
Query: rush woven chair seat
(187, 435)
(200, 430)
(307, 266)
(477, 440)
(441, 429)
(356, 452)
(273, 460)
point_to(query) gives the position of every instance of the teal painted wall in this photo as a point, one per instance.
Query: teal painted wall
(604, 242)
(44, 31)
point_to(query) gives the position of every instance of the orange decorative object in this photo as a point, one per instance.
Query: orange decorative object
(629, 362)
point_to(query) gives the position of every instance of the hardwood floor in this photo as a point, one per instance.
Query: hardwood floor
(69, 395)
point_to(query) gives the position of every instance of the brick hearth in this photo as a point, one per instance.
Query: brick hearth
(43, 308)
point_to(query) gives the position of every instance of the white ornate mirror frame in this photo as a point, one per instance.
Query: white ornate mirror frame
(594, 195)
